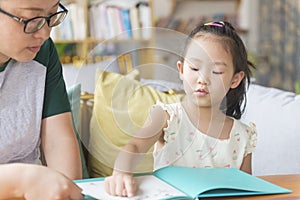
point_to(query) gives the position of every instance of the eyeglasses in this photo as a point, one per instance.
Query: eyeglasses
(34, 24)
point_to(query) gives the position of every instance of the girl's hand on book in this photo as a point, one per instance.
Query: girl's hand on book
(120, 184)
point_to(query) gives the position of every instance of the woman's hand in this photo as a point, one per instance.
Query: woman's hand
(31, 182)
(120, 184)
(45, 183)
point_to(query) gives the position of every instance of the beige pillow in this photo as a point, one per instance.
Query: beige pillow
(121, 106)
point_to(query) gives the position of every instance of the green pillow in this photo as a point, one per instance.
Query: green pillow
(74, 93)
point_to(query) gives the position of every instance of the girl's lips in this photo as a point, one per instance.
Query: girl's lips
(201, 92)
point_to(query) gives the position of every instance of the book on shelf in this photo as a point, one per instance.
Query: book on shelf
(188, 183)
(106, 20)
(135, 22)
(118, 18)
(125, 17)
(145, 19)
(94, 19)
(114, 25)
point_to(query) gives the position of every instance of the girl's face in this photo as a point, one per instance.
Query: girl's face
(207, 72)
(16, 44)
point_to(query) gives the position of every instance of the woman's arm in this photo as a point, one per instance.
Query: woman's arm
(60, 145)
(27, 181)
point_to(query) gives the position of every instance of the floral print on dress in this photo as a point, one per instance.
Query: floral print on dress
(185, 145)
(234, 155)
(252, 141)
(190, 136)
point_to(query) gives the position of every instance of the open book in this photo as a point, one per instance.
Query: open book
(174, 181)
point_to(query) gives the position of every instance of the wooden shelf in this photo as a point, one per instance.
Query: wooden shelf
(186, 14)
(86, 41)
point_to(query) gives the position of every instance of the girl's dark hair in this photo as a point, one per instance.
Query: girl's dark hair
(235, 100)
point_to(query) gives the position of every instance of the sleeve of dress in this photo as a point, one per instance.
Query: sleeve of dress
(172, 124)
(252, 141)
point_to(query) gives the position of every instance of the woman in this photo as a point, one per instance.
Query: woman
(35, 110)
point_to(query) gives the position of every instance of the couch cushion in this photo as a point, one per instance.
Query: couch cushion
(275, 113)
(121, 106)
(74, 98)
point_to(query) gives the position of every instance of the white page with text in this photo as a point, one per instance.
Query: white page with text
(149, 187)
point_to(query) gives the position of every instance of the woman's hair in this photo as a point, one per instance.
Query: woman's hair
(232, 105)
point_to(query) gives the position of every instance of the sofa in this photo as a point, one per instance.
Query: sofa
(275, 113)
(121, 102)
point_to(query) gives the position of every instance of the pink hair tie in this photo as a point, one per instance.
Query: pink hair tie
(219, 24)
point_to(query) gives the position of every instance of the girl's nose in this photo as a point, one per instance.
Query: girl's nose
(203, 78)
(201, 82)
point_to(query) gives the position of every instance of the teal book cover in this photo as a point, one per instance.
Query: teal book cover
(216, 182)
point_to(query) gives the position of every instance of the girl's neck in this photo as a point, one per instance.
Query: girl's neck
(208, 120)
(203, 113)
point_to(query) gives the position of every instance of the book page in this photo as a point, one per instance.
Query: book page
(149, 187)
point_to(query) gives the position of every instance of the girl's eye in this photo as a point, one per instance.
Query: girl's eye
(194, 68)
(217, 72)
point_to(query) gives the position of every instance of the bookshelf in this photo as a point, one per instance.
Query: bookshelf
(97, 29)
(177, 18)
(186, 14)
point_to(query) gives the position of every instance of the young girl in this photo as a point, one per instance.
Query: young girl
(204, 130)
(35, 110)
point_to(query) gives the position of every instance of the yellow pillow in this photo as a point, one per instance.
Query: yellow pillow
(121, 106)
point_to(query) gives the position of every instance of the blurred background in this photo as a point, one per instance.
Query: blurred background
(147, 35)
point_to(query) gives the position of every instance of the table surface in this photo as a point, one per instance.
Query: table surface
(291, 182)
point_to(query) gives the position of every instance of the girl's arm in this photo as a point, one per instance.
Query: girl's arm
(246, 165)
(142, 141)
(60, 145)
(27, 181)
(121, 182)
